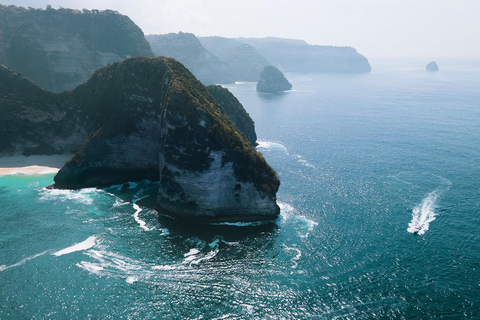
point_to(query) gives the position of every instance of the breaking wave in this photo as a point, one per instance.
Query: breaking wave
(269, 145)
(304, 225)
(84, 245)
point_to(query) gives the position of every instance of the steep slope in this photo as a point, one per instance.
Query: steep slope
(36, 121)
(299, 56)
(244, 60)
(186, 48)
(60, 49)
(235, 111)
(155, 119)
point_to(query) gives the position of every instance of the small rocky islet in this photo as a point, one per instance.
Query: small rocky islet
(272, 80)
(432, 66)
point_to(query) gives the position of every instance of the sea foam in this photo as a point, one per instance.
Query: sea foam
(87, 244)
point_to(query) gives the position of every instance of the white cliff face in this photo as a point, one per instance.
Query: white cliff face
(171, 131)
(218, 195)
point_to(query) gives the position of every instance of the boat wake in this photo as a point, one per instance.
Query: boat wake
(424, 212)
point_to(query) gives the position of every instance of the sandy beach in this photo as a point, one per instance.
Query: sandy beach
(32, 164)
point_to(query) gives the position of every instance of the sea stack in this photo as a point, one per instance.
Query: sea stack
(272, 80)
(146, 118)
(154, 120)
(432, 66)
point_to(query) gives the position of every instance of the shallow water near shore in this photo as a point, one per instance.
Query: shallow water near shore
(380, 217)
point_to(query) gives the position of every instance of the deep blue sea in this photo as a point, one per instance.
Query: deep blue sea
(380, 217)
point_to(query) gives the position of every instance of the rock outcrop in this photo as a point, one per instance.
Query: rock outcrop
(272, 80)
(60, 49)
(244, 61)
(432, 66)
(235, 111)
(187, 49)
(147, 118)
(36, 121)
(299, 56)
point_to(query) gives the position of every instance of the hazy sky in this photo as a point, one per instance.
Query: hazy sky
(376, 28)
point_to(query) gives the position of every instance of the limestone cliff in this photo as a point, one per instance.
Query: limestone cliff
(154, 119)
(299, 56)
(36, 121)
(186, 48)
(272, 80)
(145, 118)
(60, 49)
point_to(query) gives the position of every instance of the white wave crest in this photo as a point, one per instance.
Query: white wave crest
(83, 196)
(195, 256)
(84, 245)
(296, 257)
(304, 224)
(304, 162)
(142, 223)
(269, 145)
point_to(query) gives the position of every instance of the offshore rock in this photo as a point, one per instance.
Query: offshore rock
(60, 49)
(432, 66)
(154, 120)
(272, 80)
(145, 118)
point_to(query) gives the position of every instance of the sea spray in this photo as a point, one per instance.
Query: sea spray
(84, 245)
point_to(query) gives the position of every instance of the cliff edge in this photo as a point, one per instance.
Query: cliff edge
(146, 118)
(60, 49)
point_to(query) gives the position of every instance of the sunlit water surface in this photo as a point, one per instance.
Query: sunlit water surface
(380, 217)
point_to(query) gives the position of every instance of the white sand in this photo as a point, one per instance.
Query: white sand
(32, 164)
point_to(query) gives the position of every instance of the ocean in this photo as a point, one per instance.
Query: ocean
(380, 217)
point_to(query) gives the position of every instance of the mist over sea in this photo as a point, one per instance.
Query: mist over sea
(380, 216)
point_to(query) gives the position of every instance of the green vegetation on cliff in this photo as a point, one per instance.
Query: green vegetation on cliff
(60, 49)
(187, 49)
(235, 111)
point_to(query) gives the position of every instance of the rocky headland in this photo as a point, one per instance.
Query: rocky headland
(146, 118)
(299, 56)
(272, 80)
(61, 48)
(432, 66)
(245, 62)
(187, 49)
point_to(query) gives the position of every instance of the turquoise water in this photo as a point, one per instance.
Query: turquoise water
(364, 160)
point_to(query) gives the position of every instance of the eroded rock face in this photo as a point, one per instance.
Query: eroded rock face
(154, 119)
(272, 80)
(60, 49)
(145, 118)
(36, 121)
